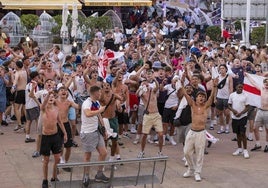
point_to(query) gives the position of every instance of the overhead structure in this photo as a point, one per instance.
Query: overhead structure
(119, 3)
(39, 5)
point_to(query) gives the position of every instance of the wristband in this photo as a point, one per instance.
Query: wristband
(14, 87)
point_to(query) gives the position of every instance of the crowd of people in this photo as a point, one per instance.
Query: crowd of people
(157, 87)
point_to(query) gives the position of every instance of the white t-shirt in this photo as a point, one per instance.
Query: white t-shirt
(118, 37)
(89, 124)
(173, 98)
(41, 94)
(80, 85)
(238, 102)
(29, 102)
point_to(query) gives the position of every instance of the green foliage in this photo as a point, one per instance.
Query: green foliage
(29, 21)
(258, 35)
(214, 32)
(58, 22)
(237, 25)
(91, 23)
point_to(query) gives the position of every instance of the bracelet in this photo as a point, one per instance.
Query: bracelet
(14, 87)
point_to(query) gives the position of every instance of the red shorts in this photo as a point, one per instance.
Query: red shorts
(133, 102)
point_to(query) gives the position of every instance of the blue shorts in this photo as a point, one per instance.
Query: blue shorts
(72, 114)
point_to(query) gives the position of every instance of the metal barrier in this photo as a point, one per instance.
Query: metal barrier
(138, 179)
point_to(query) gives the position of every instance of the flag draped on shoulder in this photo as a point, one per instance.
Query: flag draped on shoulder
(107, 57)
(254, 94)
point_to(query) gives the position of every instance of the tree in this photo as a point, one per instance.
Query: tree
(29, 21)
(258, 36)
(214, 32)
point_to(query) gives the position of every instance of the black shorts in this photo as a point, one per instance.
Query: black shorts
(10, 96)
(168, 115)
(122, 118)
(20, 97)
(160, 106)
(222, 104)
(239, 125)
(68, 130)
(50, 143)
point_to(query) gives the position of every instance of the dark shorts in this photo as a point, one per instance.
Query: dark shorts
(222, 104)
(160, 106)
(122, 118)
(239, 125)
(50, 143)
(10, 96)
(68, 129)
(32, 114)
(20, 97)
(114, 125)
(252, 112)
(168, 115)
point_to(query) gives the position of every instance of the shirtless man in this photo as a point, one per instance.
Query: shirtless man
(108, 99)
(90, 75)
(19, 85)
(64, 105)
(262, 113)
(121, 89)
(196, 137)
(49, 72)
(50, 137)
(148, 93)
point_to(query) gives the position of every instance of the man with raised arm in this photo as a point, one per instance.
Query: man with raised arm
(196, 137)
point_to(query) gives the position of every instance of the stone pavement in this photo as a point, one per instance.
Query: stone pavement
(221, 169)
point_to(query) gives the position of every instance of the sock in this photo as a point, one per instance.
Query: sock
(111, 158)
(27, 136)
(227, 127)
(240, 149)
(118, 156)
(222, 128)
(250, 136)
(137, 136)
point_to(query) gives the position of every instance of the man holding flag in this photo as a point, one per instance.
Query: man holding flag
(259, 93)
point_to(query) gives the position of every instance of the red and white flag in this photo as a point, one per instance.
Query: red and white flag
(107, 57)
(254, 95)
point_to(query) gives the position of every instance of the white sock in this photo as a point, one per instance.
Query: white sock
(258, 143)
(137, 136)
(118, 156)
(27, 136)
(240, 149)
(111, 158)
(250, 135)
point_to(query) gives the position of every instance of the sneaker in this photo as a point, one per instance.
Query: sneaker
(4, 123)
(183, 159)
(260, 129)
(54, 179)
(234, 139)
(119, 159)
(86, 180)
(197, 177)
(160, 154)
(256, 147)
(9, 120)
(36, 154)
(120, 143)
(172, 141)
(237, 152)
(68, 169)
(141, 155)
(266, 149)
(133, 130)
(136, 141)
(150, 141)
(62, 161)
(211, 128)
(17, 128)
(245, 153)
(188, 173)
(249, 139)
(28, 140)
(100, 177)
(45, 184)
(126, 135)
(227, 131)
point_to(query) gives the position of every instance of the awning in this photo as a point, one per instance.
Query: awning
(39, 4)
(118, 3)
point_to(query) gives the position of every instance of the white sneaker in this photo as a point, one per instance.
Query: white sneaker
(260, 129)
(186, 164)
(9, 120)
(237, 152)
(136, 141)
(171, 140)
(245, 153)
(141, 154)
(188, 173)
(133, 130)
(183, 159)
(197, 177)
(160, 154)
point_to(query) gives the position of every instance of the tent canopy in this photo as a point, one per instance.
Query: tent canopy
(118, 3)
(39, 5)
